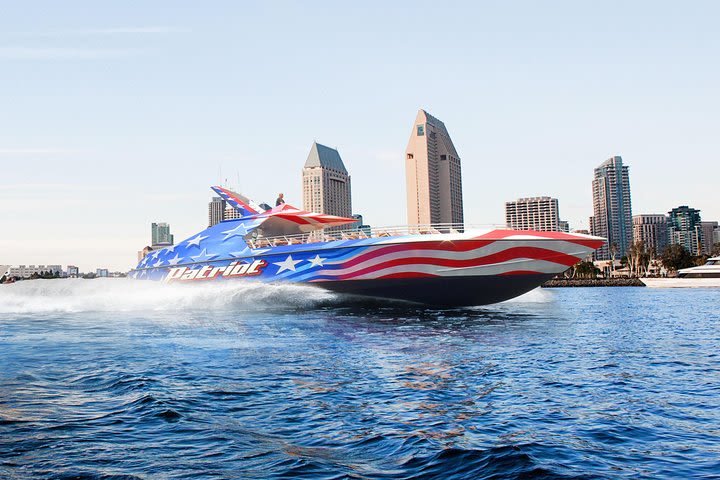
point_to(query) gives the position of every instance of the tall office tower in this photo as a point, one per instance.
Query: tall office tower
(652, 231)
(160, 234)
(432, 174)
(707, 230)
(535, 213)
(216, 211)
(684, 228)
(612, 209)
(326, 182)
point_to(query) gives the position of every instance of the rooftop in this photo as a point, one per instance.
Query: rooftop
(326, 157)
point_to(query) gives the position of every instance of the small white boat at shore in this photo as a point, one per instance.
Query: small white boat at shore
(704, 276)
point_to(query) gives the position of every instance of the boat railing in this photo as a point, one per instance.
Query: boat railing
(362, 232)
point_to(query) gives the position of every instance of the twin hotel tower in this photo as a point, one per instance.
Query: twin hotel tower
(432, 170)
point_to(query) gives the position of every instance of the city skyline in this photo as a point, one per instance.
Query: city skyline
(148, 113)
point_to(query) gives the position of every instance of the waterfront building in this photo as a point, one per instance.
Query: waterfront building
(433, 174)
(73, 271)
(160, 234)
(143, 253)
(26, 271)
(326, 182)
(707, 230)
(102, 273)
(612, 208)
(360, 225)
(563, 226)
(684, 228)
(216, 211)
(652, 231)
(534, 213)
(716, 236)
(230, 214)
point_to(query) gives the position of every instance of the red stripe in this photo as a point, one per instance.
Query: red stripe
(446, 246)
(244, 205)
(568, 237)
(532, 253)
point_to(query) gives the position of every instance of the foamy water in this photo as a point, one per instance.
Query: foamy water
(123, 294)
(126, 295)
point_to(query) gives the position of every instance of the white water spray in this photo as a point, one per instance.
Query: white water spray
(120, 294)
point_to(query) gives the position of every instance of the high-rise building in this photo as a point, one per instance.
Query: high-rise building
(216, 211)
(564, 226)
(432, 174)
(707, 230)
(326, 182)
(534, 213)
(73, 271)
(684, 228)
(160, 234)
(612, 209)
(652, 231)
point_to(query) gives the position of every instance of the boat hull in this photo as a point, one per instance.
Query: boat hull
(444, 292)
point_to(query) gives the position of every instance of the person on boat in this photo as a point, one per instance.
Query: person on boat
(280, 200)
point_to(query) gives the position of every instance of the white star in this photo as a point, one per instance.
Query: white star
(175, 260)
(203, 256)
(317, 261)
(158, 263)
(287, 264)
(169, 249)
(238, 231)
(196, 241)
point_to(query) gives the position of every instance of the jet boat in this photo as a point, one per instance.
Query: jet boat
(442, 265)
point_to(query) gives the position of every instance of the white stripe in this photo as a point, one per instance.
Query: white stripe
(567, 248)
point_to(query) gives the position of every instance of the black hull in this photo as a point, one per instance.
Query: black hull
(443, 291)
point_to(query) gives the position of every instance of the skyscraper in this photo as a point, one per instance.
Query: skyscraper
(216, 211)
(652, 231)
(536, 213)
(326, 182)
(707, 229)
(612, 209)
(432, 174)
(160, 234)
(685, 228)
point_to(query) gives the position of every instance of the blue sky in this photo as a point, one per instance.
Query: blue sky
(115, 115)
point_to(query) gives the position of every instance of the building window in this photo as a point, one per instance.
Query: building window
(420, 130)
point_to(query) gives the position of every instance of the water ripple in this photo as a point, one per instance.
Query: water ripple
(576, 383)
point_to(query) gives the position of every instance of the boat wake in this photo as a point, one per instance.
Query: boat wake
(125, 295)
